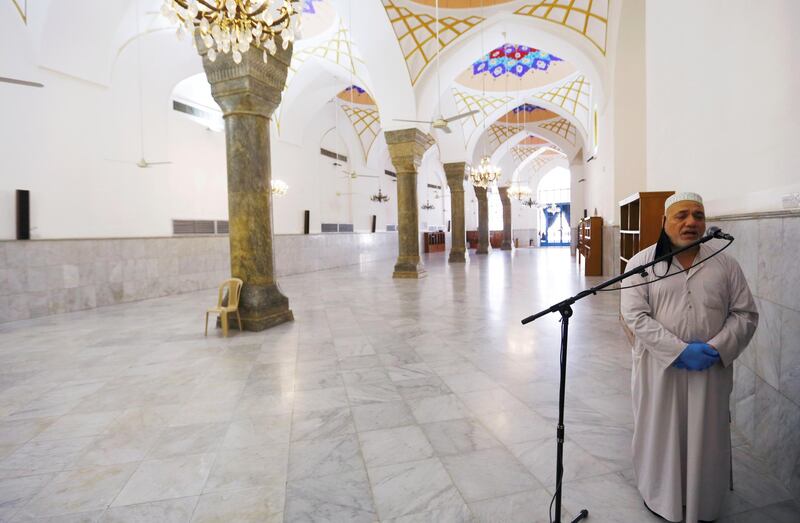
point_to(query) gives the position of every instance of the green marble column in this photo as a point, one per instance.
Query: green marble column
(483, 220)
(248, 93)
(506, 201)
(406, 148)
(455, 181)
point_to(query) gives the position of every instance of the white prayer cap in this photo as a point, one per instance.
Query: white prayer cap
(682, 197)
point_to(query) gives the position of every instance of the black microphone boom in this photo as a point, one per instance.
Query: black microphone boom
(716, 232)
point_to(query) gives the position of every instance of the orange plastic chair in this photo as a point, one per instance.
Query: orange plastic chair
(234, 288)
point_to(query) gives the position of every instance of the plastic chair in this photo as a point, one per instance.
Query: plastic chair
(234, 288)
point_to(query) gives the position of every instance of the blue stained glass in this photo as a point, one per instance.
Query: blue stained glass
(514, 59)
(308, 6)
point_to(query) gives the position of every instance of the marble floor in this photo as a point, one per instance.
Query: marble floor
(386, 400)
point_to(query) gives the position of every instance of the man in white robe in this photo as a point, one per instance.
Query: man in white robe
(688, 328)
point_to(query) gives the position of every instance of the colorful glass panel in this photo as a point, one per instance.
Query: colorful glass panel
(514, 59)
(308, 6)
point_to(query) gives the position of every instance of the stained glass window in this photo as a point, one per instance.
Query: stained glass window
(308, 6)
(515, 59)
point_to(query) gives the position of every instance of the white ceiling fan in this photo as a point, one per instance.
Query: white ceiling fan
(142, 163)
(441, 122)
(353, 175)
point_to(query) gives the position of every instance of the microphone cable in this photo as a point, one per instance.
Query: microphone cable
(667, 275)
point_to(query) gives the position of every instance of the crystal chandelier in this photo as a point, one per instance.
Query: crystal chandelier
(428, 206)
(236, 25)
(530, 202)
(380, 197)
(519, 193)
(279, 188)
(485, 174)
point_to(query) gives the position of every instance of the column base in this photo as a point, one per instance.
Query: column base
(263, 306)
(457, 257)
(409, 267)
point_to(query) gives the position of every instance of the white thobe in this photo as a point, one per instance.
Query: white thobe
(681, 437)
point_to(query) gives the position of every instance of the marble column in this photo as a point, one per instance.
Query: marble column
(455, 181)
(406, 148)
(248, 93)
(483, 220)
(506, 201)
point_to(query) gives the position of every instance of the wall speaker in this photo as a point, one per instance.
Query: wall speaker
(307, 221)
(23, 215)
(374, 222)
(448, 225)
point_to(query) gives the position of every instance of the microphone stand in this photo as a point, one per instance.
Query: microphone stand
(564, 308)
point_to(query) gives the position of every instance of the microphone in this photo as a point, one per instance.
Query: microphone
(716, 232)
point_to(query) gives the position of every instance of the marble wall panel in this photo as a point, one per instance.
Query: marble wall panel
(611, 251)
(766, 395)
(43, 277)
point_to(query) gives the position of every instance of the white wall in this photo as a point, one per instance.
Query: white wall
(74, 144)
(723, 113)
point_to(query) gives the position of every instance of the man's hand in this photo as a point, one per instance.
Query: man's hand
(697, 356)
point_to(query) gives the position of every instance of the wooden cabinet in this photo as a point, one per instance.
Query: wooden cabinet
(434, 241)
(641, 217)
(590, 245)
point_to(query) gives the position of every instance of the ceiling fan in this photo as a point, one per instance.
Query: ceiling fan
(441, 122)
(353, 175)
(142, 163)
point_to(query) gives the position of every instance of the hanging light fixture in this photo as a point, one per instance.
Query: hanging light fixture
(530, 202)
(485, 174)
(520, 193)
(380, 197)
(428, 206)
(279, 188)
(233, 26)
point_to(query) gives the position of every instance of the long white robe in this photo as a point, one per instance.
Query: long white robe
(681, 440)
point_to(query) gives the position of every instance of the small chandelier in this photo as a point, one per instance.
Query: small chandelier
(530, 202)
(279, 188)
(428, 206)
(380, 197)
(485, 174)
(519, 192)
(236, 25)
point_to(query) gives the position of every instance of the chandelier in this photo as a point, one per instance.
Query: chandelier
(485, 174)
(428, 206)
(380, 197)
(530, 202)
(519, 192)
(279, 188)
(236, 25)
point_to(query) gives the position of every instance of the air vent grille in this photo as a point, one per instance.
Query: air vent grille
(180, 227)
(331, 154)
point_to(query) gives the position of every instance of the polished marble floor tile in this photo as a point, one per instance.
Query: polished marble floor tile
(385, 400)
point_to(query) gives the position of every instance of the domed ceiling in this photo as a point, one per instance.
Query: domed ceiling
(514, 67)
(527, 113)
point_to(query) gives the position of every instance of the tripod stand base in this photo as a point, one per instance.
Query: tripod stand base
(583, 514)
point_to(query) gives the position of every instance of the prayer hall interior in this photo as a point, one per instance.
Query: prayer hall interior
(393, 185)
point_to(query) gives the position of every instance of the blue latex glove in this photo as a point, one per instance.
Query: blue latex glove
(697, 356)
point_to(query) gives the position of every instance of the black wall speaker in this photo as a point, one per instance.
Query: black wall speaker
(23, 215)
(585, 213)
(307, 221)
(374, 222)
(448, 225)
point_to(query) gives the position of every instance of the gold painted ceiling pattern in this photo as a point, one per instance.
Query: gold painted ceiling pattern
(562, 128)
(573, 96)
(499, 134)
(338, 49)
(545, 158)
(486, 105)
(416, 34)
(366, 122)
(587, 17)
(521, 152)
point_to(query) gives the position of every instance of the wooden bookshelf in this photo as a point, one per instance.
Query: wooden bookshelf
(590, 245)
(434, 241)
(641, 216)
